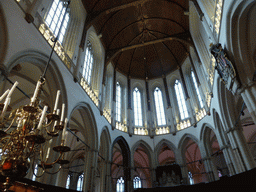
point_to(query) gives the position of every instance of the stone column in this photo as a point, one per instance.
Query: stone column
(244, 149)
(228, 160)
(248, 93)
(182, 163)
(240, 166)
(210, 169)
(102, 99)
(79, 63)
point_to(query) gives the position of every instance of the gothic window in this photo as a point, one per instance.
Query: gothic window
(159, 107)
(136, 182)
(55, 17)
(88, 61)
(80, 182)
(118, 102)
(120, 185)
(191, 180)
(68, 182)
(181, 100)
(35, 172)
(137, 107)
(197, 90)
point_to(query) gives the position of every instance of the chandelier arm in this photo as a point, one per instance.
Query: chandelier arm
(38, 176)
(10, 125)
(30, 152)
(4, 148)
(60, 167)
(54, 162)
(49, 132)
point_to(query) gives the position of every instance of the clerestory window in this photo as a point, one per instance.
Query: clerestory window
(159, 107)
(197, 90)
(54, 19)
(181, 100)
(137, 107)
(88, 63)
(118, 102)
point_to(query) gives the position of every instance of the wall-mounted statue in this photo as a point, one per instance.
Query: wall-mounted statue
(224, 67)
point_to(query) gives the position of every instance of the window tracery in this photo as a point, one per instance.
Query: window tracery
(118, 102)
(181, 100)
(68, 181)
(54, 18)
(137, 107)
(88, 62)
(136, 182)
(120, 185)
(80, 182)
(197, 90)
(159, 107)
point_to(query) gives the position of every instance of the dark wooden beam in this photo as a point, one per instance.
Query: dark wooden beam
(182, 37)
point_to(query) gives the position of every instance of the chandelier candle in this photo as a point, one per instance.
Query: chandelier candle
(56, 102)
(5, 93)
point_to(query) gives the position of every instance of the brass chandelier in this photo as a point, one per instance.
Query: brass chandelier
(26, 133)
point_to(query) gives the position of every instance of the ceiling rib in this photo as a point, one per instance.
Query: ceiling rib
(183, 37)
(141, 21)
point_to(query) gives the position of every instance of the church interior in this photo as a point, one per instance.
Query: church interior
(126, 95)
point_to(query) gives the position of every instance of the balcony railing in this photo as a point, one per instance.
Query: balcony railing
(183, 124)
(88, 89)
(121, 127)
(140, 131)
(106, 114)
(200, 114)
(162, 130)
(217, 19)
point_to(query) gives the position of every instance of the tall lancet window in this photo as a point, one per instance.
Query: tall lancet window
(55, 17)
(159, 107)
(197, 90)
(80, 182)
(88, 62)
(181, 100)
(68, 181)
(118, 102)
(137, 107)
(136, 182)
(120, 185)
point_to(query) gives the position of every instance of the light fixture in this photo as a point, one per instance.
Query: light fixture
(26, 132)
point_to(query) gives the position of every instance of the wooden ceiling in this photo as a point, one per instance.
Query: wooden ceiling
(142, 38)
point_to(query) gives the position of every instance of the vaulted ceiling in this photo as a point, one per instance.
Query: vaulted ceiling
(142, 38)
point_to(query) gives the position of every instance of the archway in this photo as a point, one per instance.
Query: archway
(142, 163)
(192, 155)
(100, 181)
(121, 161)
(83, 141)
